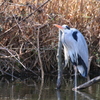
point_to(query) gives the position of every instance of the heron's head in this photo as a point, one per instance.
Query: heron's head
(63, 28)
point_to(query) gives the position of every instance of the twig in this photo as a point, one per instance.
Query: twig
(16, 58)
(9, 74)
(32, 71)
(25, 18)
(36, 10)
(2, 3)
(23, 35)
(13, 56)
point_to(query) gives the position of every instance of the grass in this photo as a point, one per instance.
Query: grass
(23, 42)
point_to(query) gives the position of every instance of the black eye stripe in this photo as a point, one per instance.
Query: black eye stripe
(68, 27)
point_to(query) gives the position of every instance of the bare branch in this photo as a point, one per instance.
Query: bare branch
(87, 84)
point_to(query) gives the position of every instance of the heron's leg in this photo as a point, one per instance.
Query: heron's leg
(75, 69)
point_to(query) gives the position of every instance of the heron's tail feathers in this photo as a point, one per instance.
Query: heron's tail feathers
(83, 71)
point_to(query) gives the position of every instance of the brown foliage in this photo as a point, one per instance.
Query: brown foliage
(18, 32)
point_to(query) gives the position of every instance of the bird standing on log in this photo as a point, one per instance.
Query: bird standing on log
(75, 47)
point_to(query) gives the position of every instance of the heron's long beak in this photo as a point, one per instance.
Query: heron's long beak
(58, 26)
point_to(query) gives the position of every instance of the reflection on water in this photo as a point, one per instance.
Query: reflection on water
(30, 89)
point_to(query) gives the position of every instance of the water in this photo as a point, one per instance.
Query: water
(30, 89)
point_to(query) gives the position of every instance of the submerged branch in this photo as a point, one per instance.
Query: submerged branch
(39, 55)
(87, 84)
(59, 60)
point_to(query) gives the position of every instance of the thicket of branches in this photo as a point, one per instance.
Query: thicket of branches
(29, 39)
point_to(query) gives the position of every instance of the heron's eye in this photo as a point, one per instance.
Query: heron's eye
(67, 27)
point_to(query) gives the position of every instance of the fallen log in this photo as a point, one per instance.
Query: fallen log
(87, 84)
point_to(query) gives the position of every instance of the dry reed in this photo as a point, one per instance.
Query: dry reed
(19, 33)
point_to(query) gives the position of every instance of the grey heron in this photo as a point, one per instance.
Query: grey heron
(75, 47)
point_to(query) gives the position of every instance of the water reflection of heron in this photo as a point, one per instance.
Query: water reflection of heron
(75, 48)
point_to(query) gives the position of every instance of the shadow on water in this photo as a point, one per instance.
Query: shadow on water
(30, 89)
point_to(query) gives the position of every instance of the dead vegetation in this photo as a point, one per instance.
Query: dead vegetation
(29, 39)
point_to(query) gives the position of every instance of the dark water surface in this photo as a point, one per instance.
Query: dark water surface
(30, 89)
